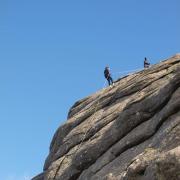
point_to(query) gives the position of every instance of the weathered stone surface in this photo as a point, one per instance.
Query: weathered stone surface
(128, 132)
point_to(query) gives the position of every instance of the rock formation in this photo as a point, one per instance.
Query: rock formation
(128, 132)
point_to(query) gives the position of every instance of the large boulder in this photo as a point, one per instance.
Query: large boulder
(127, 132)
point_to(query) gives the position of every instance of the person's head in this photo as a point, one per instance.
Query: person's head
(107, 67)
(145, 59)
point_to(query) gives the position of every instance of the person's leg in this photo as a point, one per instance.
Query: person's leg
(111, 80)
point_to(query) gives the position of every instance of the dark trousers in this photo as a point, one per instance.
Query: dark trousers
(110, 80)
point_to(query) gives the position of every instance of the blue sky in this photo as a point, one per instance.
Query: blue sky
(53, 53)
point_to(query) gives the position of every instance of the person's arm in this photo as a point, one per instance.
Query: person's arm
(108, 73)
(146, 63)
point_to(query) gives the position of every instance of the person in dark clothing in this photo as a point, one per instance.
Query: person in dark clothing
(107, 75)
(146, 63)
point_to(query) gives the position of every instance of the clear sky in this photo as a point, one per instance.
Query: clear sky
(53, 53)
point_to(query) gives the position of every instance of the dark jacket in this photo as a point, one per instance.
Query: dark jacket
(107, 73)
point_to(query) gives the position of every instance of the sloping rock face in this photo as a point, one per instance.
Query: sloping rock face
(128, 132)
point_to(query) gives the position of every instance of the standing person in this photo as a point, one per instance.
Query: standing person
(107, 75)
(146, 63)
